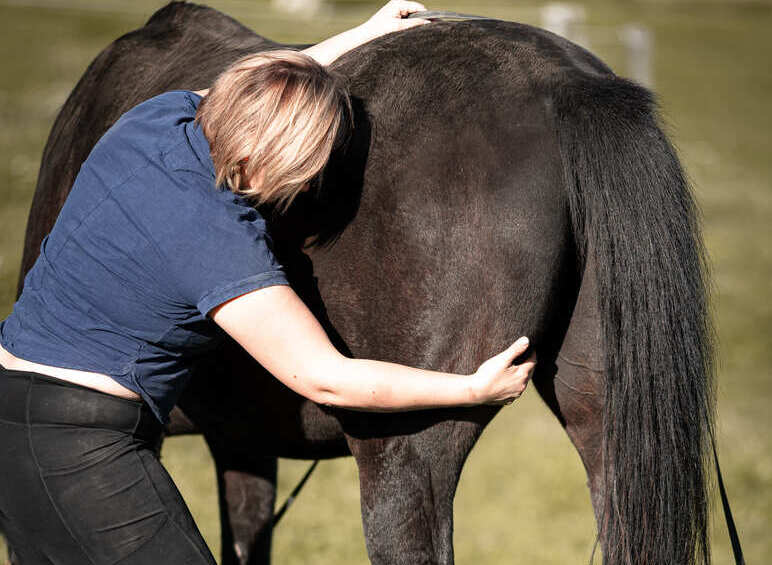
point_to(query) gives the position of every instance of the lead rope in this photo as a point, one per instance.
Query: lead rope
(735, 539)
(293, 494)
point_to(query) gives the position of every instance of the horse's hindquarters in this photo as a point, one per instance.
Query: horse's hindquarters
(461, 244)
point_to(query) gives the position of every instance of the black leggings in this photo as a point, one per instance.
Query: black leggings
(80, 482)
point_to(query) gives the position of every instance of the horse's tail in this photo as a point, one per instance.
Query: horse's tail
(632, 210)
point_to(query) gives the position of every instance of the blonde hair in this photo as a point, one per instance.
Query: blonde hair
(272, 119)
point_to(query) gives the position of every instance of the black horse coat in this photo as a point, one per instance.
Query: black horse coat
(501, 181)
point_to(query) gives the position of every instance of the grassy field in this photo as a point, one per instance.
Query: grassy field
(522, 497)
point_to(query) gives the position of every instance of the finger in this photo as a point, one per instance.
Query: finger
(405, 12)
(517, 348)
(531, 361)
(504, 402)
(410, 7)
(527, 367)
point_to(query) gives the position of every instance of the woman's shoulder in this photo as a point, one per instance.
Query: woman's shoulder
(144, 135)
(182, 101)
(155, 118)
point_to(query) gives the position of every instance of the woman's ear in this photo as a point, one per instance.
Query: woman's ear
(253, 182)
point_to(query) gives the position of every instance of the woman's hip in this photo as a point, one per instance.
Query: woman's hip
(36, 399)
(82, 482)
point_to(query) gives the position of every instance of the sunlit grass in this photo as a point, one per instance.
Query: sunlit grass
(522, 496)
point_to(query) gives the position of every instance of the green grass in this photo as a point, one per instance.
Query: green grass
(522, 496)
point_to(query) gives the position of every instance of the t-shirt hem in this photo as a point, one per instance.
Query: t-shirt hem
(223, 294)
(11, 348)
(122, 378)
(148, 399)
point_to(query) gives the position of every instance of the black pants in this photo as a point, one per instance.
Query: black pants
(80, 482)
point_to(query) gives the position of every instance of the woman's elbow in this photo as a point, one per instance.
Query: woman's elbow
(325, 385)
(353, 397)
(327, 397)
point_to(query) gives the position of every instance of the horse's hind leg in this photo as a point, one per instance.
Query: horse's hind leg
(408, 472)
(575, 392)
(247, 492)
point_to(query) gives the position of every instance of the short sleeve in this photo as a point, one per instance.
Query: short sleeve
(215, 248)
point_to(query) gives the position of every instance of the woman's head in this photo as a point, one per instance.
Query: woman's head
(272, 119)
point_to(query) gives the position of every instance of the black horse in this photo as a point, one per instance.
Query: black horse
(501, 181)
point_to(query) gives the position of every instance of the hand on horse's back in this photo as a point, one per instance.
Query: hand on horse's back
(393, 17)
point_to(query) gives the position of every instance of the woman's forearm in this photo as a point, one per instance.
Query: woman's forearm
(330, 49)
(379, 386)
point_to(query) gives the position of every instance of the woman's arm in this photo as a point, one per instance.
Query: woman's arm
(386, 20)
(389, 18)
(279, 331)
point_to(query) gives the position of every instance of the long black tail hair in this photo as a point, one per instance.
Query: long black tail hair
(632, 210)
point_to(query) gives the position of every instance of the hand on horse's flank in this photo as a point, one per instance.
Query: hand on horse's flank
(501, 382)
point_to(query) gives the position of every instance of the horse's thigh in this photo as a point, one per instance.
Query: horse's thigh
(575, 397)
(574, 392)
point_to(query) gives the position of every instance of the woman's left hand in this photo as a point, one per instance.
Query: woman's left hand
(393, 17)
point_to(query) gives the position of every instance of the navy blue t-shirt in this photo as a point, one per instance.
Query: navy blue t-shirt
(144, 247)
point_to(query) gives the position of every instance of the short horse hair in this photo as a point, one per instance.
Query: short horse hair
(272, 120)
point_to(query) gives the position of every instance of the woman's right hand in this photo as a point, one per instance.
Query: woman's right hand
(501, 382)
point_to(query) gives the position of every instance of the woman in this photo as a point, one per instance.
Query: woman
(148, 267)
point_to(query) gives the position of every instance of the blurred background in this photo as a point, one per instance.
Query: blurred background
(522, 497)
